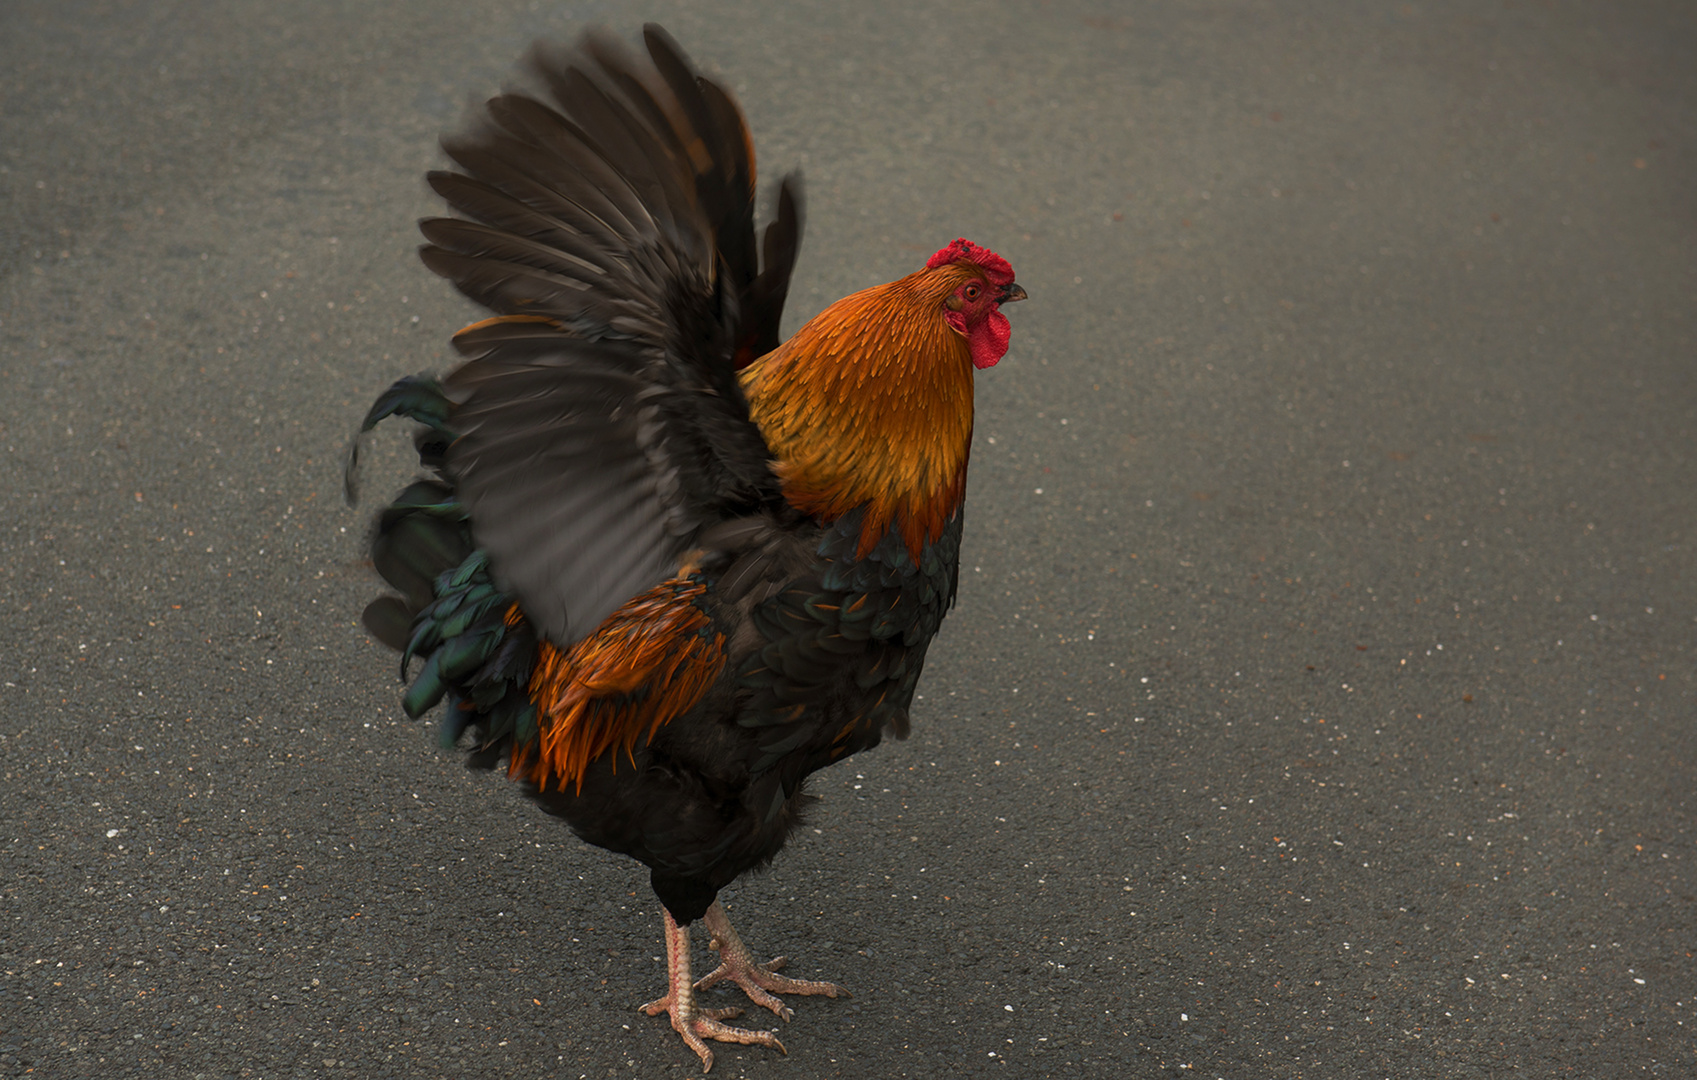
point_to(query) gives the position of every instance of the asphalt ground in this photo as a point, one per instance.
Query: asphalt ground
(1319, 699)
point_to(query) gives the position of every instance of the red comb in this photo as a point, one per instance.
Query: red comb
(994, 266)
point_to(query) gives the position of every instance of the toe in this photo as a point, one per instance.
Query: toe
(712, 1029)
(693, 1041)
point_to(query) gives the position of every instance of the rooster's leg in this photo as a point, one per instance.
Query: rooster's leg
(756, 980)
(696, 1024)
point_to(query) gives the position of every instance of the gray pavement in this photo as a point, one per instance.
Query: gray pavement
(1319, 702)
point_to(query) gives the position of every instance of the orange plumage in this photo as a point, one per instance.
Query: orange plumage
(647, 664)
(870, 405)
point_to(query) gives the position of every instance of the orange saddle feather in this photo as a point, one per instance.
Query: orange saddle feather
(647, 664)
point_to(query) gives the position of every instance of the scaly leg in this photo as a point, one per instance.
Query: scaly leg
(696, 1024)
(756, 980)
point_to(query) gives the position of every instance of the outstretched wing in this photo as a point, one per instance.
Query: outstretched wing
(598, 422)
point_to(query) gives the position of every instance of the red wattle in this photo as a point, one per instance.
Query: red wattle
(989, 342)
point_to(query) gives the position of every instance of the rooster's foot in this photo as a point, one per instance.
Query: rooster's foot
(758, 981)
(689, 1020)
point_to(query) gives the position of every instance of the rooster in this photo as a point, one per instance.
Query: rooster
(667, 565)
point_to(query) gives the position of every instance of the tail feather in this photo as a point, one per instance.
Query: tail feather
(413, 546)
(417, 397)
(389, 620)
(477, 654)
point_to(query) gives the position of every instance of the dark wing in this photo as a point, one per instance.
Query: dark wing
(600, 426)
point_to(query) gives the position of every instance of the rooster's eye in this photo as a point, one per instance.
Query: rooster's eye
(972, 292)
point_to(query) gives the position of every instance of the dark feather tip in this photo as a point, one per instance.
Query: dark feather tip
(350, 473)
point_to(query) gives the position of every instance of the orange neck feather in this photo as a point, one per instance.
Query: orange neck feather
(870, 405)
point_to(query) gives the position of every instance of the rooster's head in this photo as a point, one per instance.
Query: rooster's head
(978, 283)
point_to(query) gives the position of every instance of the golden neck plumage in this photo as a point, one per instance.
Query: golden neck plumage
(870, 405)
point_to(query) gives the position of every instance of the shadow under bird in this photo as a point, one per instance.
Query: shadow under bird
(664, 564)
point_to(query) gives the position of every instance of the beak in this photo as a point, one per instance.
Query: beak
(1011, 293)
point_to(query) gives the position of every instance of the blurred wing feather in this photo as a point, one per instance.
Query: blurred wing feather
(600, 426)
